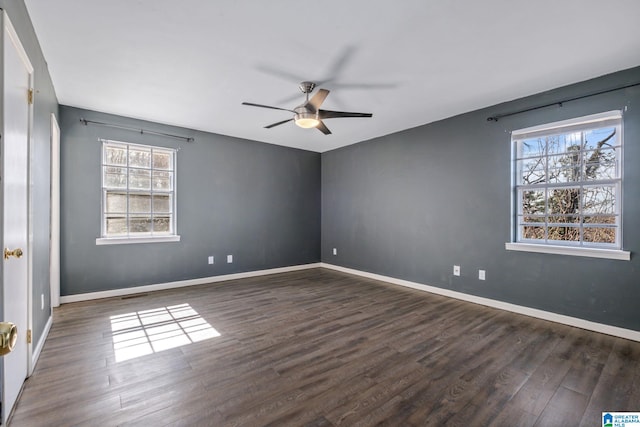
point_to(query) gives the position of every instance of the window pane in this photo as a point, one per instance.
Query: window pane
(562, 219)
(565, 174)
(115, 177)
(600, 234)
(531, 171)
(554, 144)
(162, 160)
(140, 203)
(115, 155)
(532, 232)
(161, 224)
(564, 201)
(116, 225)
(599, 200)
(563, 143)
(530, 219)
(162, 203)
(116, 203)
(162, 180)
(140, 157)
(600, 219)
(532, 202)
(139, 179)
(600, 138)
(140, 224)
(567, 234)
(534, 147)
(601, 164)
(565, 168)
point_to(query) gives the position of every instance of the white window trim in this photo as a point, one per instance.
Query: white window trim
(593, 252)
(129, 240)
(157, 238)
(527, 132)
(569, 250)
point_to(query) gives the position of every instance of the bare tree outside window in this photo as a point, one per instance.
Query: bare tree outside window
(568, 184)
(138, 186)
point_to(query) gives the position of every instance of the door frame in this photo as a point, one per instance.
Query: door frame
(8, 30)
(54, 250)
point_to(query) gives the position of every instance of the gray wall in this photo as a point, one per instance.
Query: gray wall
(45, 103)
(258, 202)
(412, 204)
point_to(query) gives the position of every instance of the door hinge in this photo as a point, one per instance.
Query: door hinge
(28, 336)
(30, 96)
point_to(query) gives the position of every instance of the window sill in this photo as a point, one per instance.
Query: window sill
(568, 250)
(132, 240)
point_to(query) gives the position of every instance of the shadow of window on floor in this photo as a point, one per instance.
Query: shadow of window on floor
(150, 331)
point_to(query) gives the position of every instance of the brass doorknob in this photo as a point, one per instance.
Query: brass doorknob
(17, 252)
(8, 337)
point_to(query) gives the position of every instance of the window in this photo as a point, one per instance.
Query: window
(568, 184)
(138, 193)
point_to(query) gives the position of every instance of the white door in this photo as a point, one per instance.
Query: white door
(14, 174)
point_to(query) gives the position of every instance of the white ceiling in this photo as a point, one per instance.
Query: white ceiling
(409, 62)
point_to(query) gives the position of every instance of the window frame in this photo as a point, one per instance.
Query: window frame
(579, 247)
(132, 237)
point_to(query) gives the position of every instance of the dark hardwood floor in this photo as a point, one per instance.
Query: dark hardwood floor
(320, 348)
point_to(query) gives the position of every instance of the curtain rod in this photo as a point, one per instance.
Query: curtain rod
(142, 131)
(497, 117)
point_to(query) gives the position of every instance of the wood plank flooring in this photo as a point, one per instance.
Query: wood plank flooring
(322, 348)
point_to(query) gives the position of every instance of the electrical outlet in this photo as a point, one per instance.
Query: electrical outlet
(456, 270)
(211, 259)
(481, 275)
(335, 251)
(229, 259)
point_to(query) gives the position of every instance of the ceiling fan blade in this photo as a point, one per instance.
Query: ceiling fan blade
(317, 99)
(323, 128)
(277, 124)
(266, 106)
(339, 64)
(284, 75)
(328, 114)
(290, 99)
(364, 85)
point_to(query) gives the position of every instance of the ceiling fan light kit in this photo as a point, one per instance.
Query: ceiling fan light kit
(306, 120)
(309, 115)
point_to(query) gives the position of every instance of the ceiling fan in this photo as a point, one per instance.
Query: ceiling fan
(308, 114)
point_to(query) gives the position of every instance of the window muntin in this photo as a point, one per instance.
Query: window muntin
(138, 190)
(568, 182)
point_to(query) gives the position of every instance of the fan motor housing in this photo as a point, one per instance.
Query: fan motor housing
(307, 87)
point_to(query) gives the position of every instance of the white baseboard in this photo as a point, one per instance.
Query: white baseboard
(181, 283)
(527, 311)
(35, 355)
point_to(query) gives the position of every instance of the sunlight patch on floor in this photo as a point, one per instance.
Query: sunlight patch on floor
(149, 331)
